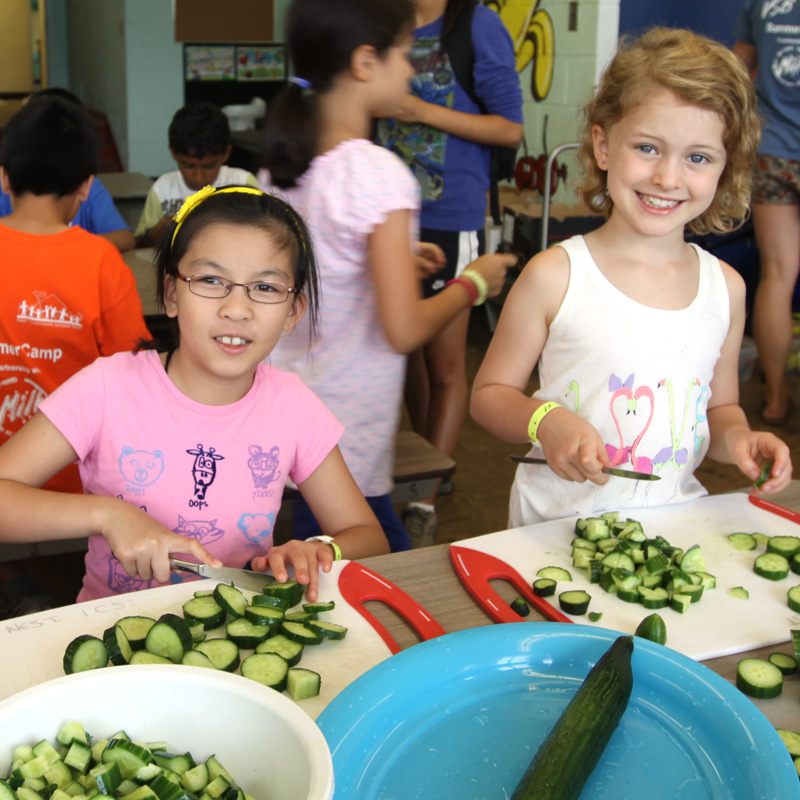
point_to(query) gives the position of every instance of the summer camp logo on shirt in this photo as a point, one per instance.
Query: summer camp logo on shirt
(47, 309)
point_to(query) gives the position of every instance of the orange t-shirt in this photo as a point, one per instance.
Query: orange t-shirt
(66, 299)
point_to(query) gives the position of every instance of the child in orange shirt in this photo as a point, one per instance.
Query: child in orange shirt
(68, 297)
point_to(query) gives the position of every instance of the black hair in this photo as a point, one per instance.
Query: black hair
(57, 91)
(49, 147)
(321, 36)
(198, 130)
(275, 217)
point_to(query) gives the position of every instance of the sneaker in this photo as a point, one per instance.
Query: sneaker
(447, 486)
(421, 526)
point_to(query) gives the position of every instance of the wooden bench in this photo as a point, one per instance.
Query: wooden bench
(418, 465)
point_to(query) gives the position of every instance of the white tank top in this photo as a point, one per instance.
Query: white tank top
(641, 376)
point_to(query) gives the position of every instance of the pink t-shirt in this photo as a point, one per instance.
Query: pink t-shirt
(212, 473)
(343, 196)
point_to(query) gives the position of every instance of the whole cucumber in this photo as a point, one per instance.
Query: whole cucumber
(566, 758)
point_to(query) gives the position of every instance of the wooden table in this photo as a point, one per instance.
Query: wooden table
(126, 185)
(428, 576)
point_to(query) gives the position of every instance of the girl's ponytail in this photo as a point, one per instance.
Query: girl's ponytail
(322, 36)
(290, 135)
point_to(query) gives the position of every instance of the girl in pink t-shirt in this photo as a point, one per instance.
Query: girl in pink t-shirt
(361, 203)
(188, 451)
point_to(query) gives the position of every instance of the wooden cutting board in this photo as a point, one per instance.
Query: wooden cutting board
(33, 646)
(717, 625)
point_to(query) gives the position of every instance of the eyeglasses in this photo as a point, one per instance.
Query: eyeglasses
(260, 291)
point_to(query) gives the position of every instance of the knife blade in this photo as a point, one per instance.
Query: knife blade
(240, 578)
(618, 473)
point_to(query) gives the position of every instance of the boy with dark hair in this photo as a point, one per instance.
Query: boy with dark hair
(68, 297)
(200, 143)
(97, 214)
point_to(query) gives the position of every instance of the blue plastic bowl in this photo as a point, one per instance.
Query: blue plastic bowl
(463, 715)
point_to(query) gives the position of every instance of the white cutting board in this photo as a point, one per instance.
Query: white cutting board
(717, 625)
(33, 647)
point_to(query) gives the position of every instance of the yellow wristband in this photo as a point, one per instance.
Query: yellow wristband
(480, 284)
(538, 416)
(337, 552)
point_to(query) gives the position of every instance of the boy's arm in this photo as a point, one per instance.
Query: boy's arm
(151, 223)
(731, 440)
(104, 219)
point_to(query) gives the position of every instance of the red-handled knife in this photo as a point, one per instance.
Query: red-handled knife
(358, 585)
(774, 508)
(476, 569)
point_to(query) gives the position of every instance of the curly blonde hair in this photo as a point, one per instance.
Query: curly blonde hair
(699, 72)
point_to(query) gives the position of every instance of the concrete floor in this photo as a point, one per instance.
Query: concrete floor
(483, 477)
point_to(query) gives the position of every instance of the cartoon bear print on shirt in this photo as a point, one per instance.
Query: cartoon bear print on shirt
(140, 468)
(264, 468)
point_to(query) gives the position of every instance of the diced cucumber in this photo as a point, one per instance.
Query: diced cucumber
(617, 560)
(303, 683)
(758, 678)
(72, 732)
(739, 592)
(680, 603)
(692, 560)
(129, 756)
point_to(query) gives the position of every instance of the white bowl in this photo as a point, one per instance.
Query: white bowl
(270, 746)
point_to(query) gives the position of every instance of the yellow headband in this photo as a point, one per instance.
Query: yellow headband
(195, 199)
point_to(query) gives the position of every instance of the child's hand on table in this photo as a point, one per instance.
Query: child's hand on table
(307, 558)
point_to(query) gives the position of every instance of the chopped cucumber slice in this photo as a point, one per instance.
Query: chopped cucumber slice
(575, 602)
(520, 607)
(544, 587)
(84, 653)
(554, 573)
(787, 546)
(224, 654)
(771, 566)
(792, 741)
(269, 669)
(785, 663)
(758, 678)
(793, 599)
(291, 651)
(739, 592)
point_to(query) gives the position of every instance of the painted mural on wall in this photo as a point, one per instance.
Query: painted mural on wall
(532, 31)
